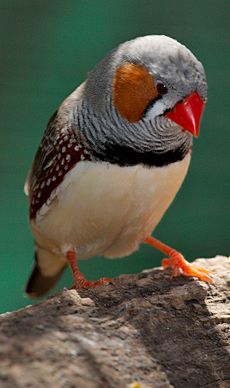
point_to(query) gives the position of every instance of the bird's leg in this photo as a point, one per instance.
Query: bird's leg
(177, 261)
(79, 280)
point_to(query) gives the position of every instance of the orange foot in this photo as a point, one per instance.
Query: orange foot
(180, 266)
(79, 280)
(82, 282)
(178, 263)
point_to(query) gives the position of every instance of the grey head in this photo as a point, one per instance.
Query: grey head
(123, 109)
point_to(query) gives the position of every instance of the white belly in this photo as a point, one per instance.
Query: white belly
(104, 209)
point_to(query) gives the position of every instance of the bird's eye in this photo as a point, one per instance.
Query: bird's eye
(161, 88)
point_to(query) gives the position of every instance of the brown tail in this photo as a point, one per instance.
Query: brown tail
(46, 272)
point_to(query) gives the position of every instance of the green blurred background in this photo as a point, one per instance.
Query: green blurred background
(47, 48)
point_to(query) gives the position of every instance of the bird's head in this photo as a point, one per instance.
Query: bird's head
(148, 94)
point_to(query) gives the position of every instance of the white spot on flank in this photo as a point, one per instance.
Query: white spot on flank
(54, 178)
(76, 148)
(62, 162)
(57, 167)
(42, 185)
(66, 167)
(48, 202)
(52, 195)
(66, 138)
(68, 157)
(82, 157)
(59, 156)
(63, 150)
(48, 182)
(39, 194)
(60, 173)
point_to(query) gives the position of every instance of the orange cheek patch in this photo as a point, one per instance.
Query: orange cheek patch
(133, 89)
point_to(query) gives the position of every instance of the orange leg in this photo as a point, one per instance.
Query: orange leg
(177, 261)
(79, 280)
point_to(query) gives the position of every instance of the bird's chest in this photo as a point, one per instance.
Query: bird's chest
(106, 209)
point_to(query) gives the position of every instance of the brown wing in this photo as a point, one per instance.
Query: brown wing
(59, 151)
(44, 155)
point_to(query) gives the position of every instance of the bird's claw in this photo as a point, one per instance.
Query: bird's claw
(180, 266)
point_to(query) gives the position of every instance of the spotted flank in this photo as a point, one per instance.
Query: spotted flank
(69, 151)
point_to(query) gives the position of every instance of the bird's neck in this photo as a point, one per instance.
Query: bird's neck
(109, 141)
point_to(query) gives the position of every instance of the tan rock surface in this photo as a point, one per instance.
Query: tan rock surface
(144, 328)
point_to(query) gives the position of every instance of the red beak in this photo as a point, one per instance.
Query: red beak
(188, 113)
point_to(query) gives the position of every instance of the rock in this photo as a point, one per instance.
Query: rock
(145, 330)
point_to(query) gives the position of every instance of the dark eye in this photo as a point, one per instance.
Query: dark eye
(161, 88)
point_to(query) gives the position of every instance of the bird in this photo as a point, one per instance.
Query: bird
(112, 159)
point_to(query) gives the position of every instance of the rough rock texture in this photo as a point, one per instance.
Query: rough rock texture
(148, 328)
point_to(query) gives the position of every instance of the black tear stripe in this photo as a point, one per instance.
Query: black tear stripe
(150, 105)
(125, 156)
